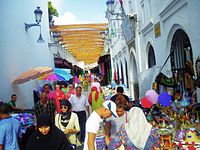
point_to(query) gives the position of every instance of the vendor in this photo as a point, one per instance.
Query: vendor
(120, 91)
(12, 102)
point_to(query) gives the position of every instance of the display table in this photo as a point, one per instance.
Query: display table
(26, 120)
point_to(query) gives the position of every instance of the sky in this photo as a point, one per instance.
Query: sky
(79, 11)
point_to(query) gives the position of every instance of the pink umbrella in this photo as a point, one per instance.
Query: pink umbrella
(53, 77)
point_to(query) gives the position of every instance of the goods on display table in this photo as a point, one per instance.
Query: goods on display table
(177, 121)
(26, 120)
(177, 117)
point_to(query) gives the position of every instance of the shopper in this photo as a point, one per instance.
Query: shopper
(50, 94)
(95, 98)
(45, 106)
(96, 84)
(67, 121)
(113, 124)
(9, 129)
(137, 133)
(71, 91)
(120, 91)
(95, 128)
(64, 87)
(47, 136)
(79, 106)
(59, 95)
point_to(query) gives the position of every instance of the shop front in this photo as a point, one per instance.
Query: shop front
(62, 63)
(105, 69)
(182, 61)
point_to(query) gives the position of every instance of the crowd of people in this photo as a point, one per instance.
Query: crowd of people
(65, 118)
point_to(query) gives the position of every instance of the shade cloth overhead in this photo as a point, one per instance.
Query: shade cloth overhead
(83, 41)
(32, 74)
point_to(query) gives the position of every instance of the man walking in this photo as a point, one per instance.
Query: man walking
(79, 106)
(45, 106)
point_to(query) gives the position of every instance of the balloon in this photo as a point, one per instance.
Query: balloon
(164, 99)
(152, 96)
(146, 103)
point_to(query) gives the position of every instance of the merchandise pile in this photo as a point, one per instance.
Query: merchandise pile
(177, 120)
(26, 120)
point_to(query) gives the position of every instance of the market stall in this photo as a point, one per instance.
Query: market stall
(26, 118)
(177, 120)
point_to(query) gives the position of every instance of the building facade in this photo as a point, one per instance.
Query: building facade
(20, 50)
(165, 41)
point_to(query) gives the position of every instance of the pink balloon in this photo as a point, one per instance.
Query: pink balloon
(152, 96)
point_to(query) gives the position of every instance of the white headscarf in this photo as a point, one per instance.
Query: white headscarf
(137, 127)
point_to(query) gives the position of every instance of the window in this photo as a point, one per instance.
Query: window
(151, 57)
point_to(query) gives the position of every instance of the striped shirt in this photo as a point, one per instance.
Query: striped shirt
(48, 109)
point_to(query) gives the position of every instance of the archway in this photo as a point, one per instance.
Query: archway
(122, 73)
(182, 60)
(126, 69)
(151, 57)
(134, 77)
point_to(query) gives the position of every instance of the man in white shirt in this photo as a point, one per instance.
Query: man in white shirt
(79, 106)
(95, 131)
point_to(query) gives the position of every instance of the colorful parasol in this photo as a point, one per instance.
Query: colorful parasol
(53, 77)
(32, 74)
(64, 73)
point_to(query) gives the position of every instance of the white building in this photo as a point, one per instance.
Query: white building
(118, 48)
(19, 49)
(161, 28)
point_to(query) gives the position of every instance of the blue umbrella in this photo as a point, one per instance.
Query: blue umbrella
(64, 73)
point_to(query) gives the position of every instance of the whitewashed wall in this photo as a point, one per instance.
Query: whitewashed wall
(172, 15)
(19, 50)
(118, 48)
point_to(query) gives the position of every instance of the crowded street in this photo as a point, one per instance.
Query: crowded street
(100, 75)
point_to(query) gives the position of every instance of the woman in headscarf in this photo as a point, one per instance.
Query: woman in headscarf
(95, 98)
(67, 121)
(136, 134)
(47, 136)
(71, 91)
